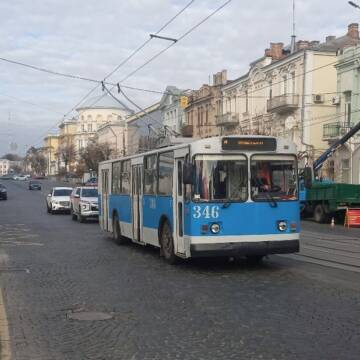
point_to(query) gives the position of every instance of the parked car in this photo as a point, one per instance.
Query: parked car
(58, 199)
(3, 192)
(6, 177)
(84, 203)
(91, 182)
(34, 185)
(21, 177)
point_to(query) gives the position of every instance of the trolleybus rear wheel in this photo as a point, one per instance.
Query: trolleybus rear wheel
(120, 240)
(167, 244)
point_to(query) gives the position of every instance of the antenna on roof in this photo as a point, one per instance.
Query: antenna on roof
(293, 36)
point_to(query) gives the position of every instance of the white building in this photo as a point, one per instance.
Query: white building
(94, 114)
(5, 166)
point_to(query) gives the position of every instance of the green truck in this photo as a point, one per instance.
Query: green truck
(324, 200)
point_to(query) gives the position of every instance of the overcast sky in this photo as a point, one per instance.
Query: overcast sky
(91, 37)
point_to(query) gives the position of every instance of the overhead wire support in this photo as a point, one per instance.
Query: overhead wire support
(163, 38)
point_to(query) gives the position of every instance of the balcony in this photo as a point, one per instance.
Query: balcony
(335, 130)
(187, 131)
(227, 119)
(283, 103)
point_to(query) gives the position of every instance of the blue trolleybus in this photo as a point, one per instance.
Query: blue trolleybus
(220, 196)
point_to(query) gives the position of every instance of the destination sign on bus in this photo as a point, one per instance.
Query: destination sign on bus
(254, 144)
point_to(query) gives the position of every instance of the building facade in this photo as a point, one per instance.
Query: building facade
(288, 92)
(344, 165)
(5, 166)
(172, 112)
(50, 151)
(204, 106)
(94, 114)
(144, 130)
(113, 134)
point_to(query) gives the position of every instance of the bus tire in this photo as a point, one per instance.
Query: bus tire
(319, 214)
(118, 239)
(254, 259)
(167, 244)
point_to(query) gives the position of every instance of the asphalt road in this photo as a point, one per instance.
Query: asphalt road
(58, 276)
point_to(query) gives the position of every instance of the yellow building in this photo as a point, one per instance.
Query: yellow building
(50, 151)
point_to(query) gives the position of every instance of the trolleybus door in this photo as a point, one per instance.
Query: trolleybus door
(136, 201)
(105, 199)
(179, 206)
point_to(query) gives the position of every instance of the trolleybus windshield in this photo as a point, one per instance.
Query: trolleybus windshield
(220, 178)
(273, 177)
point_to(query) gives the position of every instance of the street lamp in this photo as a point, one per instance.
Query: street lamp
(354, 5)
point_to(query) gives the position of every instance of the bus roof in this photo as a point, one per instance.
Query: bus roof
(215, 145)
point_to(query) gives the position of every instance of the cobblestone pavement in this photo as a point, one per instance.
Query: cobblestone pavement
(53, 269)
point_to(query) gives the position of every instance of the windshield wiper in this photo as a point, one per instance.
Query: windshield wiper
(272, 200)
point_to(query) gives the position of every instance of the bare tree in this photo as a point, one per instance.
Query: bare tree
(94, 153)
(37, 160)
(67, 154)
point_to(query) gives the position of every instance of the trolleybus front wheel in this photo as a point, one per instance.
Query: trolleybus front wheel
(167, 244)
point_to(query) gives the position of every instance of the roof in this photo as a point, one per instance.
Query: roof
(103, 102)
(337, 43)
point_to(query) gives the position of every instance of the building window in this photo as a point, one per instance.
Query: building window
(89, 127)
(83, 127)
(347, 96)
(246, 101)
(270, 89)
(166, 168)
(345, 171)
(285, 85)
(293, 83)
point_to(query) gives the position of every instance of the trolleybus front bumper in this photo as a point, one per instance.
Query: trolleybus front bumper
(245, 248)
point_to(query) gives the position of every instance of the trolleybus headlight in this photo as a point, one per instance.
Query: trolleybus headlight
(282, 225)
(215, 228)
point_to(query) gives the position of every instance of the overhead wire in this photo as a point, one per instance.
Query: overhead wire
(116, 68)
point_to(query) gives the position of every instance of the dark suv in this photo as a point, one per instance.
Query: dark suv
(34, 185)
(3, 192)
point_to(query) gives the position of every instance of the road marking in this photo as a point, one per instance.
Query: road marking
(19, 243)
(5, 349)
(17, 235)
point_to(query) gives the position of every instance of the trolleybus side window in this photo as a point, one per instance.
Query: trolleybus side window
(125, 177)
(220, 177)
(274, 177)
(150, 174)
(116, 177)
(166, 169)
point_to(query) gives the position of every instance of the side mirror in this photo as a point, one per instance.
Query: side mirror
(188, 173)
(49, 195)
(308, 177)
(77, 196)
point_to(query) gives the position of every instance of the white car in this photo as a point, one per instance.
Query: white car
(84, 203)
(21, 177)
(58, 199)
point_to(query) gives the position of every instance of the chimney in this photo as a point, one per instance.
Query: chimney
(353, 31)
(276, 50)
(330, 38)
(267, 53)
